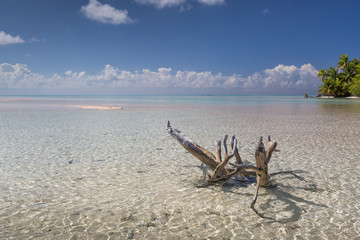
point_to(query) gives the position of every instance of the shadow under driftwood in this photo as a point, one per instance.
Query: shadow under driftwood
(284, 195)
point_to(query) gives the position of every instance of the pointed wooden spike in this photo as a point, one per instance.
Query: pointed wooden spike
(234, 146)
(225, 147)
(232, 142)
(218, 151)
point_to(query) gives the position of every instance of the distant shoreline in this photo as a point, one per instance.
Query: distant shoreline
(332, 97)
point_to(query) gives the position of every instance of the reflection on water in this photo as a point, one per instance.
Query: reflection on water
(345, 106)
(70, 173)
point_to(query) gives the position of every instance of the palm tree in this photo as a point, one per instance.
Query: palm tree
(327, 88)
(333, 73)
(330, 83)
(336, 83)
(322, 74)
(355, 86)
(355, 61)
(348, 74)
(340, 88)
(343, 80)
(344, 61)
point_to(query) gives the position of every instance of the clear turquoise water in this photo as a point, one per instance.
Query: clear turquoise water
(97, 174)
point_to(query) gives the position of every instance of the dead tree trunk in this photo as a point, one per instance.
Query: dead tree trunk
(222, 169)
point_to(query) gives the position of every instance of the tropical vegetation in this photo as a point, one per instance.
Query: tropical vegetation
(342, 81)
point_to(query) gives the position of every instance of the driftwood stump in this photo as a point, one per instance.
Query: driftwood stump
(222, 169)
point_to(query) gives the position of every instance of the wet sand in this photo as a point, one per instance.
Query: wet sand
(91, 107)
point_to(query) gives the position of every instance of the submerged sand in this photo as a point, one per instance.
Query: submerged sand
(77, 174)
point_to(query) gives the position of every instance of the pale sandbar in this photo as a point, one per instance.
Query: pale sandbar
(96, 107)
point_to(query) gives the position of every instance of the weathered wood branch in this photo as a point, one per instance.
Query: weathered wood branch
(225, 146)
(256, 191)
(270, 149)
(221, 166)
(222, 170)
(236, 152)
(200, 153)
(243, 167)
(218, 151)
(261, 163)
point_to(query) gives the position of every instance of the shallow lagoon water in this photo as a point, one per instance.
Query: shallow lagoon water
(68, 173)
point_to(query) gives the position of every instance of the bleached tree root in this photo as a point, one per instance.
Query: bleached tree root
(223, 169)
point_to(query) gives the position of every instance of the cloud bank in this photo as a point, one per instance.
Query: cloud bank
(7, 39)
(281, 78)
(105, 13)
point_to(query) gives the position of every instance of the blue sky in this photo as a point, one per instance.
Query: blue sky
(172, 46)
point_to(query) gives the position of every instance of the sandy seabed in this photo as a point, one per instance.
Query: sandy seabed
(69, 174)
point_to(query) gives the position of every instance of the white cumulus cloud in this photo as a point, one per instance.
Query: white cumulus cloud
(286, 77)
(6, 39)
(281, 77)
(162, 3)
(212, 2)
(105, 13)
(20, 76)
(265, 11)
